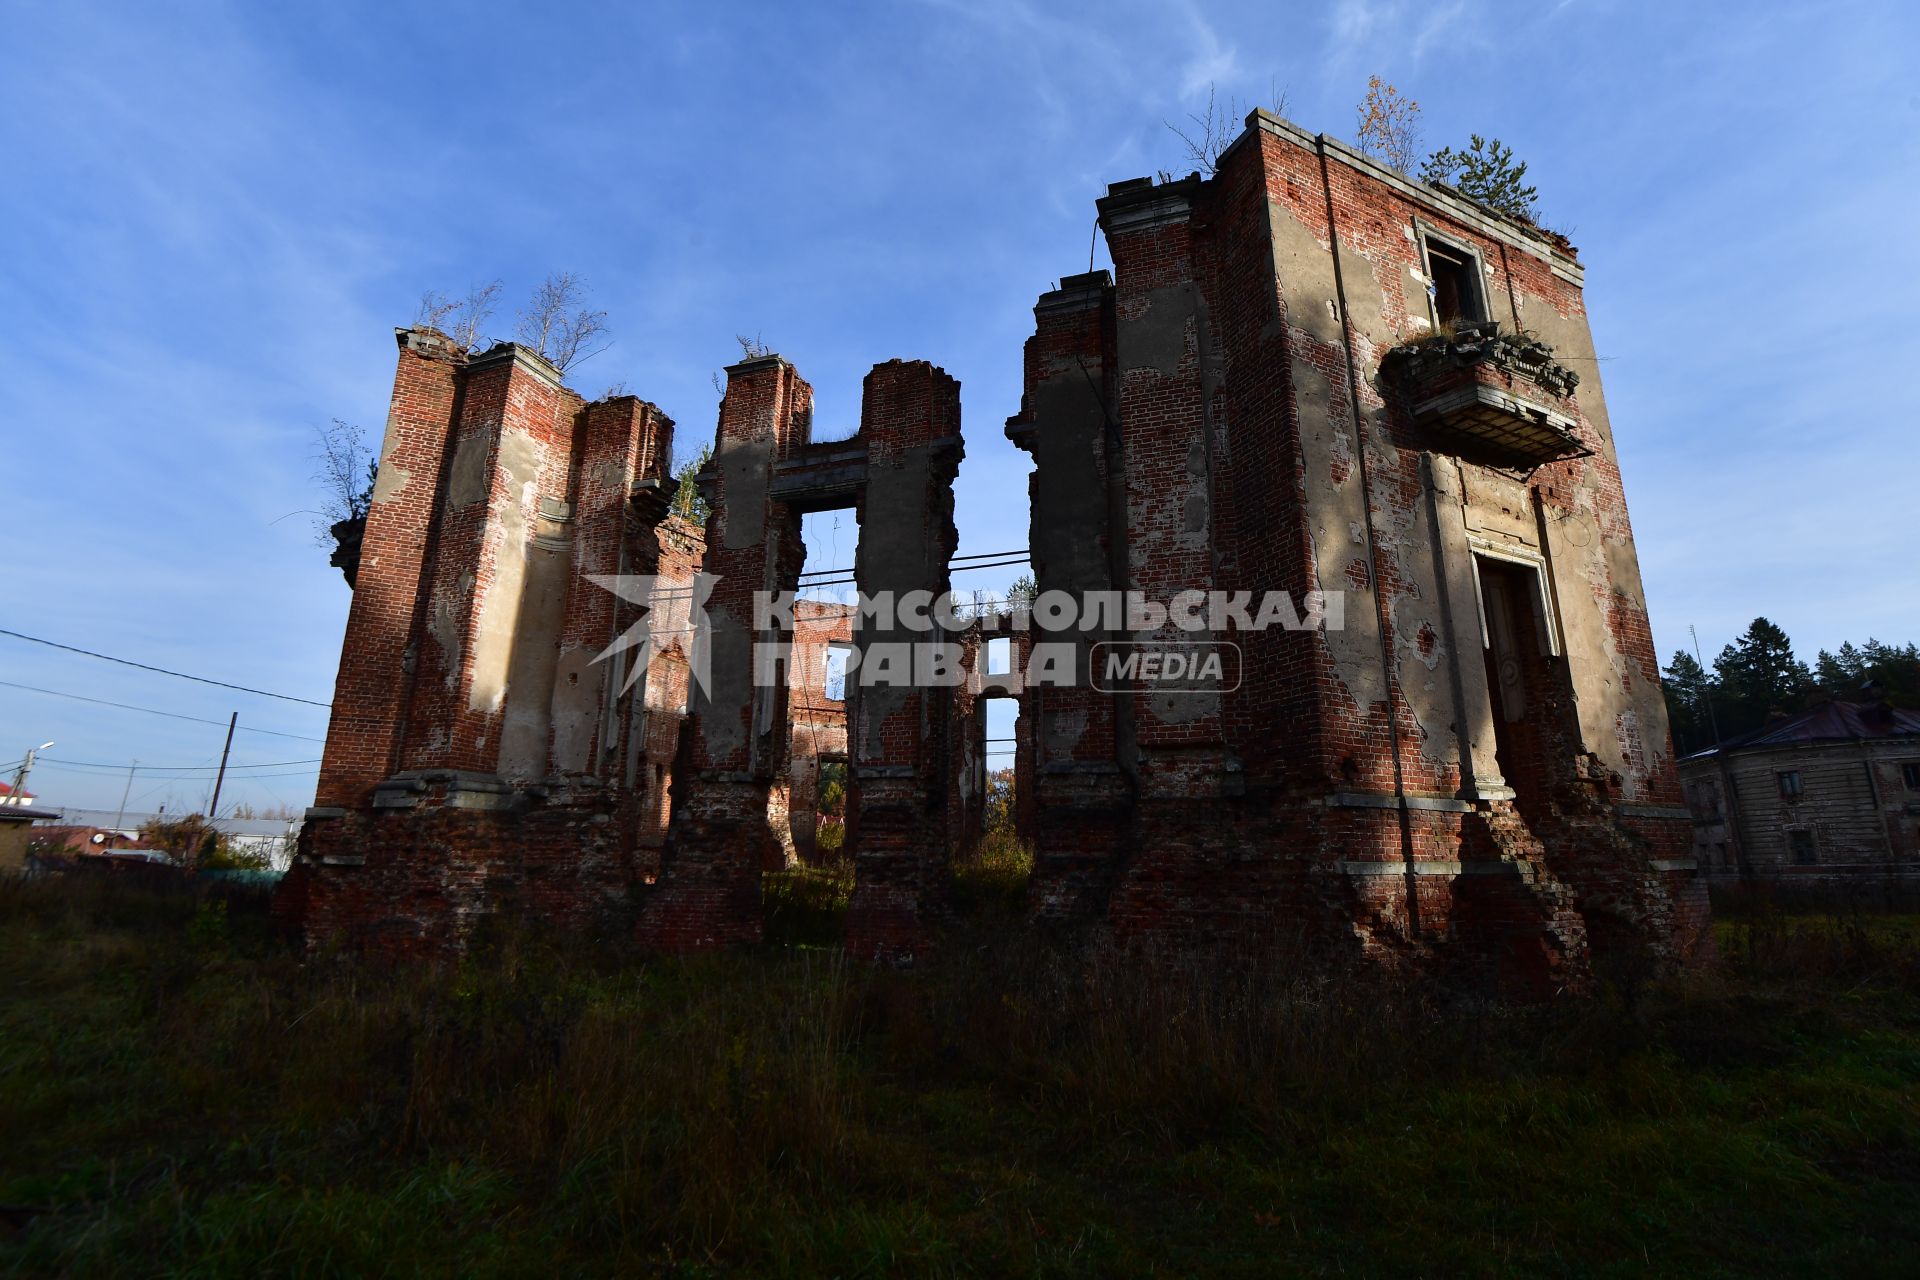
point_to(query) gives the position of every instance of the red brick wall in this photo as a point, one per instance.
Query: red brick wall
(1212, 418)
(369, 693)
(500, 496)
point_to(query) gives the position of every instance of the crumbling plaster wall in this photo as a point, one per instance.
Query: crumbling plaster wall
(1575, 518)
(1214, 418)
(1343, 301)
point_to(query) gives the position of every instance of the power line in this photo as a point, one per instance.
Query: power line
(997, 558)
(992, 564)
(173, 768)
(992, 555)
(180, 675)
(166, 780)
(154, 711)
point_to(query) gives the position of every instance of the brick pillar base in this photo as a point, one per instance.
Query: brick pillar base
(709, 892)
(900, 871)
(1080, 820)
(1515, 928)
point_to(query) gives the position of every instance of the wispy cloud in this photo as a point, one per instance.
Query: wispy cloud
(1377, 33)
(1213, 62)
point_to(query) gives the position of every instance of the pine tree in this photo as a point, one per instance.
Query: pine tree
(1484, 171)
(1839, 674)
(1759, 677)
(1894, 672)
(688, 503)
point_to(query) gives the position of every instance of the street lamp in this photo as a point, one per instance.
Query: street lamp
(19, 796)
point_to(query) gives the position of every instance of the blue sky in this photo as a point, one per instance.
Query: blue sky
(214, 215)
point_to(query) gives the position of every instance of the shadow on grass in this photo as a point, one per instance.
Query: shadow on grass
(180, 1094)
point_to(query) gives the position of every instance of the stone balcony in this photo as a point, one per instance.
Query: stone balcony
(1490, 397)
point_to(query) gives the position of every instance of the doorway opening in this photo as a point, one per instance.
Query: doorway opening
(1525, 678)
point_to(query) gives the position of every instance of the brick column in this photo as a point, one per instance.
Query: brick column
(370, 692)
(1185, 874)
(1162, 348)
(511, 455)
(722, 834)
(910, 424)
(1080, 809)
(621, 488)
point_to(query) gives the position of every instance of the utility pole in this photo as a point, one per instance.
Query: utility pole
(19, 793)
(213, 805)
(121, 816)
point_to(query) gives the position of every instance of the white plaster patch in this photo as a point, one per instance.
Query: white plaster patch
(389, 481)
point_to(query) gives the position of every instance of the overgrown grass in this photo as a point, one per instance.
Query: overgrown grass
(807, 905)
(994, 874)
(179, 1095)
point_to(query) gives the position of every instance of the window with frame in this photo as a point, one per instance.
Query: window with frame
(1801, 843)
(1791, 787)
(837, 657)
(999, 656)
(1459, 295)
(1910, 774)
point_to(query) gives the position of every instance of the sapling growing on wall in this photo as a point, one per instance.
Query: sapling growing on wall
(559, 325)
(1484, 171)
(462, 319)
(344, 469)
(687, 502)
(1215, 130)
(1389, 125)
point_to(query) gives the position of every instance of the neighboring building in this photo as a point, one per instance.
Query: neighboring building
(17, 816)
(99, 831)
(1307, 373)
(1833, 792)
(269, 838)
(119, 828)
(81, 837)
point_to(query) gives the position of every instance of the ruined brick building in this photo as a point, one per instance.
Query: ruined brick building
(1305, 373)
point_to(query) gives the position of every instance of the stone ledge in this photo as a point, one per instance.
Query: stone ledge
(1388, 800)
(1435, 867)
(1627, 809)
(525, 357)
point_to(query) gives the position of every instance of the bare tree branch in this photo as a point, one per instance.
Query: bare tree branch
(1218, 129)
(435, 307)
(752, 348)
(461, 319)
(343, 467)
(558, 324)
(473, 313)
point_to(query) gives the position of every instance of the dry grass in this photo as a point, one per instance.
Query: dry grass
(179, 1095)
